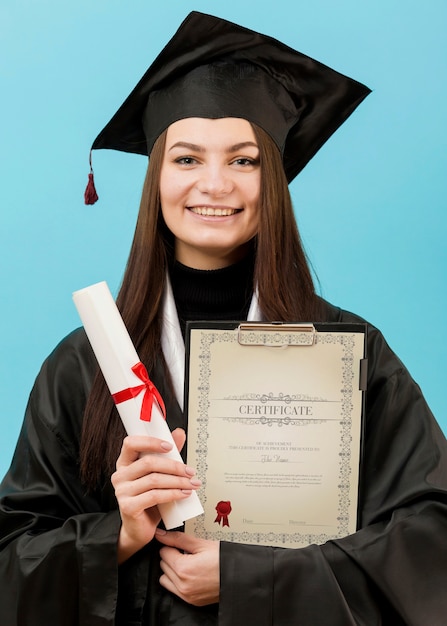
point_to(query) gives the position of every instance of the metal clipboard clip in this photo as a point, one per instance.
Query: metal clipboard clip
(276, 334)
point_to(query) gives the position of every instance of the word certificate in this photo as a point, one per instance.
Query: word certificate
(275, 430)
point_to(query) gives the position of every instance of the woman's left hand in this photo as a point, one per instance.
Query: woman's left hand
(190, 567)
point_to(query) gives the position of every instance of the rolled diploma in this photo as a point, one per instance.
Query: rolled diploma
(116, 356)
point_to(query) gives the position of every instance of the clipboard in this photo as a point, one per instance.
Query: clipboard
(275, 429)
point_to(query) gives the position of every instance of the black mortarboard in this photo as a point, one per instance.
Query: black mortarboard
(213, 68)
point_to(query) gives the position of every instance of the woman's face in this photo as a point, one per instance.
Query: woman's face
(209, 189)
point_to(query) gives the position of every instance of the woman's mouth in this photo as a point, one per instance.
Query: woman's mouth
(213, 211)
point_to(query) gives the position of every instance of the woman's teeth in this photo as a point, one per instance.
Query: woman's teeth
(206, 210)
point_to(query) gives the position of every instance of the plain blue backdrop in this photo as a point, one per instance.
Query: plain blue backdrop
(371, 205)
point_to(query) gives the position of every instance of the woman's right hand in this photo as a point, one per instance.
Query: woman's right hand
(144, 477)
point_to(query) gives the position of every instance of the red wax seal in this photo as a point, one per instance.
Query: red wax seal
(223, 509)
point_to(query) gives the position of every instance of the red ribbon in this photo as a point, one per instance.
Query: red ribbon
(150, 393)
(223, 509)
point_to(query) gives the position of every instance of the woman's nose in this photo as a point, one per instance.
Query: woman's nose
(215, 181)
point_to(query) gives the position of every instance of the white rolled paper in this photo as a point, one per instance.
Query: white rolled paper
(116, 356)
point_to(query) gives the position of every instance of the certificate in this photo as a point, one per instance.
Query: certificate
(275, 430)
(138, 402)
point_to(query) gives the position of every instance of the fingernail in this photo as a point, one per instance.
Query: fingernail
(189, 471)
(195, 482)
(187, 492)
(160, 531)
(165, 445)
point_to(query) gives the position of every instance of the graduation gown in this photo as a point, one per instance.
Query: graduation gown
(58, 561)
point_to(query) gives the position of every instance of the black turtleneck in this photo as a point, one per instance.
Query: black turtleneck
(223, 294)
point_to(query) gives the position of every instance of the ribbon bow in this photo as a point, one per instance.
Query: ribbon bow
(150, 393)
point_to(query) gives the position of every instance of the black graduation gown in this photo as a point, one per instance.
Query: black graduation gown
(58, 563)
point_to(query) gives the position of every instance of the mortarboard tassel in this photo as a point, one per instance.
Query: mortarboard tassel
(90, 195)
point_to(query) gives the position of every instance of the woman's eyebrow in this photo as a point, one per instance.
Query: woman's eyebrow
(189, 146)
(242, 145)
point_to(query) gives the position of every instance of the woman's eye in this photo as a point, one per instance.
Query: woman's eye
(185, 160)
(245, 161)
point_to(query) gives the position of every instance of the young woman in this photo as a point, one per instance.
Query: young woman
(216, 238)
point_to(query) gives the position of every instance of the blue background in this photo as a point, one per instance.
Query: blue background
(371, 205)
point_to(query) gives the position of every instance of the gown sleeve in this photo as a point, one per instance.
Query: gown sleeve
(393, 570)
(58, 562)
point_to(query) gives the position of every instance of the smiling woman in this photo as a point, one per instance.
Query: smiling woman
(227, 116)
(210, 190)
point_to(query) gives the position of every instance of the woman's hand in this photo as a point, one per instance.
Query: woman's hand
(143, 479)
(190, 567)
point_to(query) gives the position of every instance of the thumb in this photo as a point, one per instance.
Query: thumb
(179, 437)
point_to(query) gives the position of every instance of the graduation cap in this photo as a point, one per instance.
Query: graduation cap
(213, 68)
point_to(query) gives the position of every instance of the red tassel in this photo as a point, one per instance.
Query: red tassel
(90, 195)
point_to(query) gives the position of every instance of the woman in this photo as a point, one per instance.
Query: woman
(216, 234)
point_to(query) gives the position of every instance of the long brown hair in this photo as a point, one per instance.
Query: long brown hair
(282, 276)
